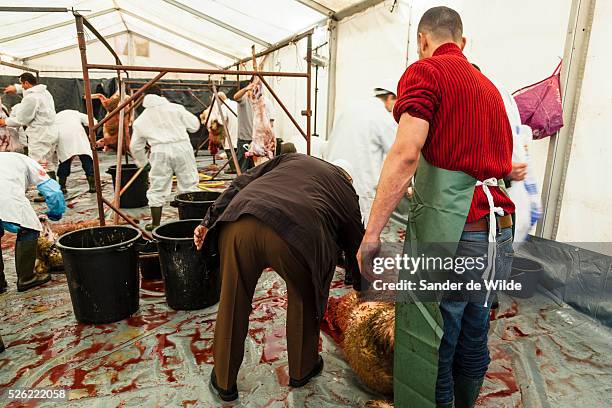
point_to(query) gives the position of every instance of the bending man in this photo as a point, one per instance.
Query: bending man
(291, 213)
(73, 141)
(17, 172)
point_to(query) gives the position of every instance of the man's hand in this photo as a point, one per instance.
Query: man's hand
(367, 251)
(519, 171)
(199, 235)
(10, 89)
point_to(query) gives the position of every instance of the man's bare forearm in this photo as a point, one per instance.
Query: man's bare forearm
(397, 171)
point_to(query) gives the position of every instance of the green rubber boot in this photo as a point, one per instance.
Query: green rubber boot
(466, 391)
(92, 184)
(25, 259)
(156, 213)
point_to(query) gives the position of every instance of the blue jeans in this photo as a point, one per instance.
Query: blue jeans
(463, 350)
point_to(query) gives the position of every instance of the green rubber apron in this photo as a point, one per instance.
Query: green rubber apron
(437, 213)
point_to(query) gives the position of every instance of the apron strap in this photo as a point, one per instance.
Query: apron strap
(489, 272)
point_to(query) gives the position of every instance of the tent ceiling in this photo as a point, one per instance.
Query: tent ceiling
(213, 31)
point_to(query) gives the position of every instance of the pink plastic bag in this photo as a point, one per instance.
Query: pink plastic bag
(540, 106)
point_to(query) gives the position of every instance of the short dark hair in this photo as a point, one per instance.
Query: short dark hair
(27, 77)
(153, 90)
(442, 23)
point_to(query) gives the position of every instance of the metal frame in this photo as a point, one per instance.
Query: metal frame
(316, 6)
(560, 146)
(69, 47)
(20, 67)
(81, 22)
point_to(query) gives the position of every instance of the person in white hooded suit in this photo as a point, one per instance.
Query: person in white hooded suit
(37, 112)
(73, 141)
(362, 135)
(164, 126)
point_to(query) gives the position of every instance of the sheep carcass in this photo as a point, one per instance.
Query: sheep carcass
(264, 142)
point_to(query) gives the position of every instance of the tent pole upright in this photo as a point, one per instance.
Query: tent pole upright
(120, 148)
(308, 91)
(90, 116)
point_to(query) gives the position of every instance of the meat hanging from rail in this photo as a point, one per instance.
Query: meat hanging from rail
(9, 136)
(263, 144)
(111, 127)
(216, 128)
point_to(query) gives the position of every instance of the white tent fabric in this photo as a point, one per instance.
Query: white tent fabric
(218, 31)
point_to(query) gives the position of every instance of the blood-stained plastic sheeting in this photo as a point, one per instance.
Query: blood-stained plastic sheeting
(544, 353)
(157, 357)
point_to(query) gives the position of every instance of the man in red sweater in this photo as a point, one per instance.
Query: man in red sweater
(455, 135)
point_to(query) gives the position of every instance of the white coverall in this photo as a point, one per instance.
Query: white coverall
(73, 140)
(17, 173)
(164, 126)
(37, 112)
(232, 122)
(362, 135)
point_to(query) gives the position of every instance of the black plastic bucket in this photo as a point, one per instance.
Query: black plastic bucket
(136, 194)
(101, 266)
(526, 272)
(190, 284)
(148, 262)
(193, 206)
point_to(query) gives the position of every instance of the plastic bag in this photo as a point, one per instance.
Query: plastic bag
(524, 194)
(540, 105)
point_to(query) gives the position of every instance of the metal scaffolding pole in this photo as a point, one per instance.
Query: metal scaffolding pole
(130, 102)
(90, 115)
(308, 92)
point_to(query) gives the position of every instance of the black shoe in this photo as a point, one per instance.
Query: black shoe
(315, 371)
(225, 395)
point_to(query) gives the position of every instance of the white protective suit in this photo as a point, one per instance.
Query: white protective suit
(164, 126)
(17, 173)
(362, 135)
(73, 139)
(37, 112)
(232, 122)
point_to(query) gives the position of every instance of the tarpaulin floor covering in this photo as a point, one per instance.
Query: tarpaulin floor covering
(544, 354)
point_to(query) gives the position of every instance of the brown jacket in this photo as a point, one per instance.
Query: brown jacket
(309, 202)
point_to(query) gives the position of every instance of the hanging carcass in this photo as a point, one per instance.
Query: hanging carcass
(263, 144)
